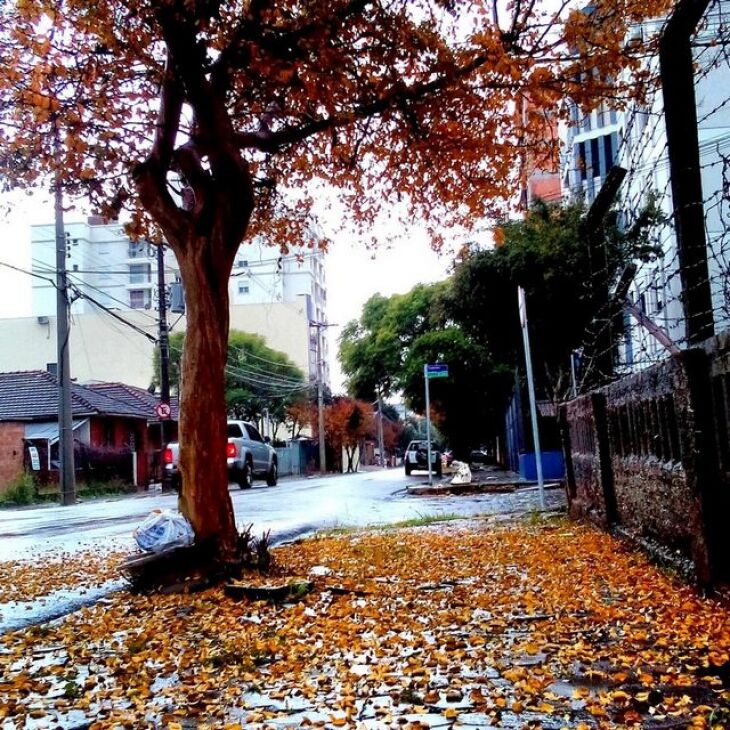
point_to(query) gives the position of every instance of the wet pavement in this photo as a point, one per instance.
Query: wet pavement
(295, 507)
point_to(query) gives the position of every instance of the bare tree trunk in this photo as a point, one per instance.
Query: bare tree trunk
(205, 500)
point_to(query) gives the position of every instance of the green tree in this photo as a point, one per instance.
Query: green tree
(547, 254)
(392, 340)
(468, 406)
(374, 347)
(259, 379)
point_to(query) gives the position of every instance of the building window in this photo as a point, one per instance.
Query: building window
(137, 299)
(242, 288)
(595, 159)
(241, 263)
(140, 273)
(608, 151)
(139, 250)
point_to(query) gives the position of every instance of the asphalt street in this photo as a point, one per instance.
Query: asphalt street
(296, 506)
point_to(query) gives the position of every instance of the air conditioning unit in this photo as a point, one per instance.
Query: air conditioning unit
(43, 319)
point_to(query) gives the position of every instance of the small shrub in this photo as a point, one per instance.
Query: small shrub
(21, 491)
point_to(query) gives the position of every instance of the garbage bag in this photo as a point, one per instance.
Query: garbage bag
(463, 473)
(163, 529)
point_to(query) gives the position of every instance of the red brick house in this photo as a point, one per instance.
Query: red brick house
(110, 419)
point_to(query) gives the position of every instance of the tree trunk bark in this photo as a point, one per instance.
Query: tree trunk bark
(204, 499)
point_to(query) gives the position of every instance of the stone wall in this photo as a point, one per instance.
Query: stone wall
(644, 451)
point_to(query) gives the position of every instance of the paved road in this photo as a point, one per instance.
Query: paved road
(295, 506)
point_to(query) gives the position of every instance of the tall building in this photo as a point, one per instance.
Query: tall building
(280, 296)
(635, 139)
(656, 290)
(589, 150)
(262, 275)
(102, 263)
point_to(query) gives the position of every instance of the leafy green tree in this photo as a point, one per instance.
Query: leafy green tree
(392, 340)
(374, 348)
(259, 379)
(547, 254)
(468, 406)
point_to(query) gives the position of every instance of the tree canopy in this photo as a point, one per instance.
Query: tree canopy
(548, 255)
(393, 339)
(471, 320)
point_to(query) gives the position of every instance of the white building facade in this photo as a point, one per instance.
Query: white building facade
(280, 296)
(656, 290)
(102, 263)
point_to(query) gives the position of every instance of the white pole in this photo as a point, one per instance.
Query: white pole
(573, 382)
(428, 422)
(531, 390)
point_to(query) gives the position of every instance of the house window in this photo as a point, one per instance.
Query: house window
(137, 299)
(241, 263)
(242, 288)
(140, 273)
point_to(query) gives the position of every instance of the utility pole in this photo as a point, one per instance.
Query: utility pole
(380, 426)
(319, 326)
(320, 397)
(66, 472)
(164, 338)
(531, 391)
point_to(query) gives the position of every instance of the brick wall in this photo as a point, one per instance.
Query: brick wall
(11, 452)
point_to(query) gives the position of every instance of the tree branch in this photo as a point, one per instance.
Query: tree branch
(150, 176)
(272, 142)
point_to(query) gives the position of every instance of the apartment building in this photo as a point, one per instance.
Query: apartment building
(104, 266)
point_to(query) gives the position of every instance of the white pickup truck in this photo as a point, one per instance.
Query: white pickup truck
(247, 454)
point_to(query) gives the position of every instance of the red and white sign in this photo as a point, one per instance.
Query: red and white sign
(163, 411)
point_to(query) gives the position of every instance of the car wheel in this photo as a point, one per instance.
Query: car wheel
(408, 469)
(245, 479)
(273, 476)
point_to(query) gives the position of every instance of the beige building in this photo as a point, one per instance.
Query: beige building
(105, 349)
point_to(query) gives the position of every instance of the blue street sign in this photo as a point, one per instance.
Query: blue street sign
(438, 370)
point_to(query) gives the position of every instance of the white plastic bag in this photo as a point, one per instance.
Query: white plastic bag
(163, 529)
(463, 473)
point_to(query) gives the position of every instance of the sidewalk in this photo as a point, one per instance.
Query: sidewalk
(478, 623)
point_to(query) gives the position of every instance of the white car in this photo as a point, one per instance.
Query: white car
(417, 458)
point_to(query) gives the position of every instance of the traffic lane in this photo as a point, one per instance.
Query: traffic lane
(30, 532)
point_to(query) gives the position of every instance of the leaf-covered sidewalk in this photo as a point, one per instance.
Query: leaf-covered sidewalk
(548, 625)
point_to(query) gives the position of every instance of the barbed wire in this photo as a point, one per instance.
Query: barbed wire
(658, 289)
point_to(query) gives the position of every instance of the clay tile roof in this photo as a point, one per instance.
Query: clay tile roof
(33, 396)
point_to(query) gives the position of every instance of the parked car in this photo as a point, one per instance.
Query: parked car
(248, 456)
(416, 457)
